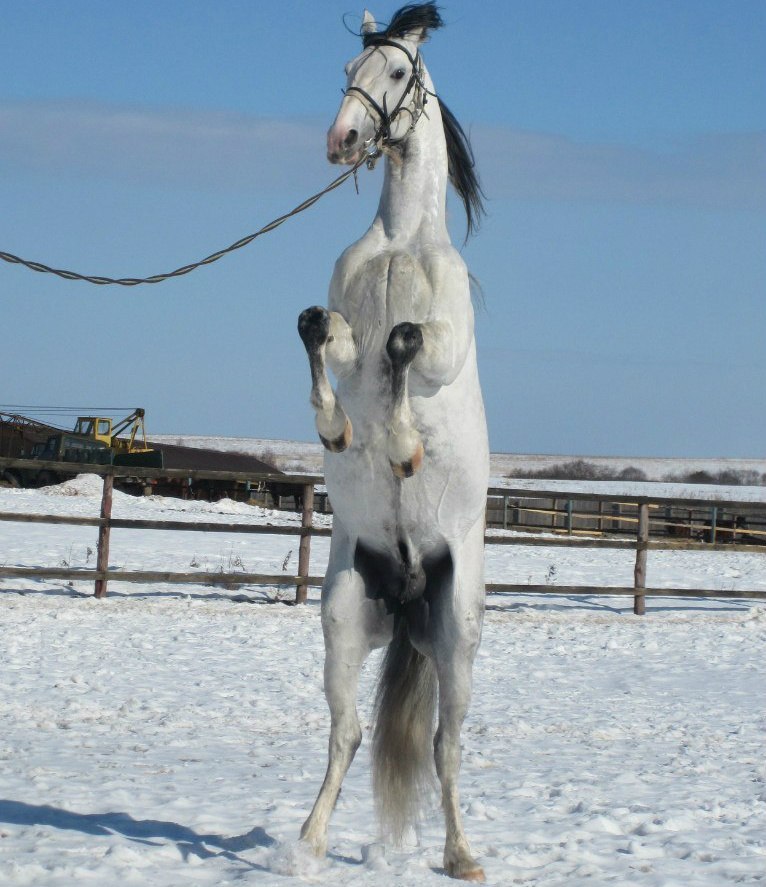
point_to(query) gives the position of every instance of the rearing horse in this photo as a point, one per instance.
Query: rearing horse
(406, 461)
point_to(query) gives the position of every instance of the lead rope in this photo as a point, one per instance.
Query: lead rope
(366, 158)
(369, 156)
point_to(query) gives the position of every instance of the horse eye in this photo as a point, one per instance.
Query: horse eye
(398, 74)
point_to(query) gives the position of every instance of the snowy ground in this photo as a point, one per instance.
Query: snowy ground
(169, 736)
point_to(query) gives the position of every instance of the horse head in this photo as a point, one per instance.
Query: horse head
(386, 84)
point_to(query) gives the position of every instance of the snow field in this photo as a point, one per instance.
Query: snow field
(169, 736)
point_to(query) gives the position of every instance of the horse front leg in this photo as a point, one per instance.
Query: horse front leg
(321, 329)
(404, 445)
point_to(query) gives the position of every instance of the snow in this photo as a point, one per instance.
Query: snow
(174, 735)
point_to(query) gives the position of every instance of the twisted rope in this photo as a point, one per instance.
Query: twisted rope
(186, 269)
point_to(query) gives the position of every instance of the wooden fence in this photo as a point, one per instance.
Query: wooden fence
(640, 543)
(562, 512)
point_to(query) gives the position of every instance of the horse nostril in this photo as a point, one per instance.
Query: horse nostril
(350, 138)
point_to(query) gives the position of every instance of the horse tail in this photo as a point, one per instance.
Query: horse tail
(402, 745)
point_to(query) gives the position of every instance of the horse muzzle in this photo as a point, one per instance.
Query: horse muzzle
(343, 145)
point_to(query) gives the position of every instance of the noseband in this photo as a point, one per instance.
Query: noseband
(415, 107)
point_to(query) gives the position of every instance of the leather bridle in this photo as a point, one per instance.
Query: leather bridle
(415, 107)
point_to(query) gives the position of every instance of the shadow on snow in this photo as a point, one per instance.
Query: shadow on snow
(142, 831)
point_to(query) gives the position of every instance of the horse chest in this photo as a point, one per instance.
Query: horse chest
(379, 291)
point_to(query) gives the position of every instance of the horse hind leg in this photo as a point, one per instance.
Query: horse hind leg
(455, 633)
(353, 625)
(454, 694)
(315, 327)
(404, 446)
(341, 679)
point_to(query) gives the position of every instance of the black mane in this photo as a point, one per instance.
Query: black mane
(461, 169)
(412, 17)
(460, 161)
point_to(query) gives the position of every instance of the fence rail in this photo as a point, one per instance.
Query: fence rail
(302, 580)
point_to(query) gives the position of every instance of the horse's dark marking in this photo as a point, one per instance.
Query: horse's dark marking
(406, 586)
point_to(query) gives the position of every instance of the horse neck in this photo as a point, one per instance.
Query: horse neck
(414, 196)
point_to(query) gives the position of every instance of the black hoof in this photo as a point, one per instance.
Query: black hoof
(404, 342)
(314, 327)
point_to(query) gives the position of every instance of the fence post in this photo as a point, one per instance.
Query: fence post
(304, 549)
(714, 524)
(102, 554)
(642, 542)
(569, 516)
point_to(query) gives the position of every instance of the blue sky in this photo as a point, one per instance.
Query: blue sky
(621, 145)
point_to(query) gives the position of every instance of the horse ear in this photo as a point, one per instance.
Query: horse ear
(369, 25)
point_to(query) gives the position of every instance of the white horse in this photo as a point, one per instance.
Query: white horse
(406, 460)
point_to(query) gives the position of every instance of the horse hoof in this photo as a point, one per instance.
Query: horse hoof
(404, 342)
(311, 841)
(314, 327)
(340, 443)
(463, 872)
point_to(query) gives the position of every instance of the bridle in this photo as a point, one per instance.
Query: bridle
(415, 107)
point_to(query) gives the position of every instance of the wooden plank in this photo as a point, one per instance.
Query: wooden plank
(620, 591)
(661, 545)
(287, 579)
(50, 519)
(629, 544)
(154, 576)
(197, 526)
(517, 493)
(581, 541)
(148, 473)
(559, 541)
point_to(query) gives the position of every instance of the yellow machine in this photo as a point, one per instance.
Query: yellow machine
(103, 429)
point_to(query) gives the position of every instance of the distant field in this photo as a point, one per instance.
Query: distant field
(301, 456)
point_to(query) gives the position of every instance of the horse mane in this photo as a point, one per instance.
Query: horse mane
(412, 17)
(461, 169)
(461, 166)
